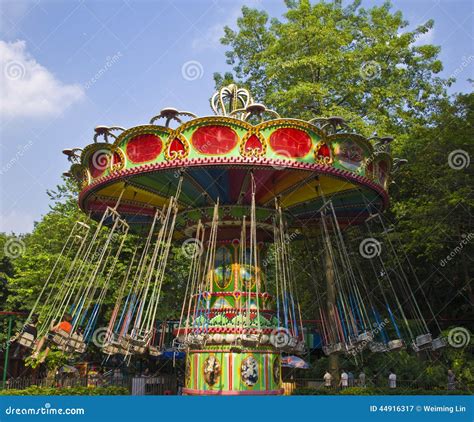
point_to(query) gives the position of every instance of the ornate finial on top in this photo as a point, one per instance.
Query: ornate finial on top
(331, 125)
(229, 99)
(233, 101)
(105, 132)
(171, 113)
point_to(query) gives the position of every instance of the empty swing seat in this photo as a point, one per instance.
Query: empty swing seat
(111, 348)
(334, 348)
(376, 347)
(423, 341)
(438, 343)
(154, 351)
(135, 345)
(76, 344)
(395, 345)
(26, 340)
(365, 337)
(196, 340)
(349, 347)
(292, 343)
(300, 347)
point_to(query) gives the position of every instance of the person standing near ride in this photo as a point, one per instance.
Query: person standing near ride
(451, 380)
(65, 326)
(350, 377)
(362, 379)
(392, 379)
(327, 380)
(344, 380)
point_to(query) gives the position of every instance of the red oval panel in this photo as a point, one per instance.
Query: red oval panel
(290, 142)
(144, 148)
(214, 139)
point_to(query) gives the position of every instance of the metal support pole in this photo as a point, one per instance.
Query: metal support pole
(7, 350)
(330, 303)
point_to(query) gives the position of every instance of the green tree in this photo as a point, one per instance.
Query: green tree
(433, 203)
(324, 59)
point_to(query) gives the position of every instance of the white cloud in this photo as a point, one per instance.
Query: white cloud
(28, 88)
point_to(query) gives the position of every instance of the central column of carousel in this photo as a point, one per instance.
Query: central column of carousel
(232, 325)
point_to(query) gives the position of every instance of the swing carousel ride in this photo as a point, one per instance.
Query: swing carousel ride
(234, 189)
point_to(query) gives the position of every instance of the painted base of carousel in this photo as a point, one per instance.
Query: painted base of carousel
(216, 370)
(190, 392)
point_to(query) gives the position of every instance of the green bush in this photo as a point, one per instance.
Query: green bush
(67, 391)
(370, 391)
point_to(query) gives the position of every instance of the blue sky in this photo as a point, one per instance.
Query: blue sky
(68, 66)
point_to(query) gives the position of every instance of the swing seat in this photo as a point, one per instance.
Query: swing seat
(332, 349)
(154, 351)
(111, 349)
(365, 337)
(196, 340)
(76, 344)
(423, 341)
(438, 343)
(395, 345)
(26, 340)
(349, 347)
(59, 338)
(376, 347)
(138, 349)
(179, 343)
(292, 343)
(133, 345)
(300, 347)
